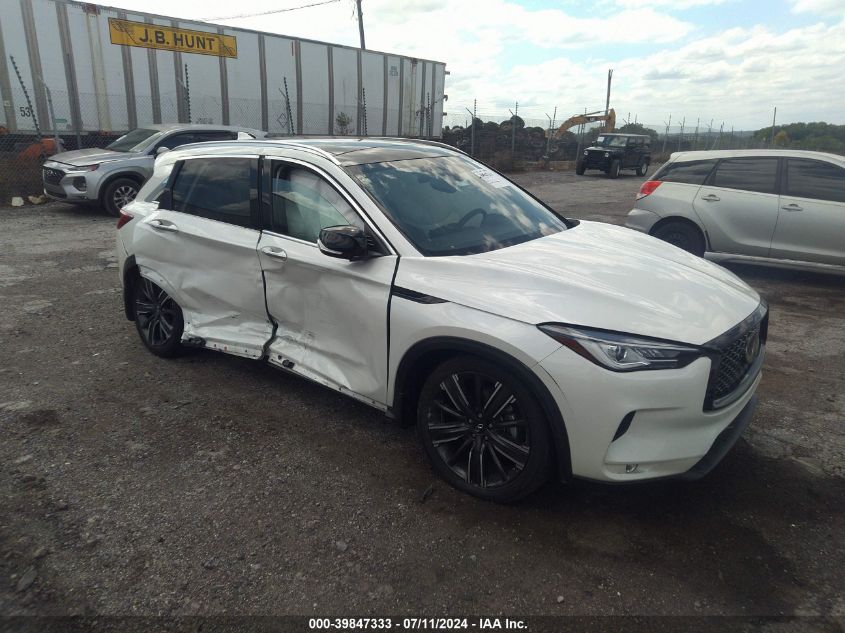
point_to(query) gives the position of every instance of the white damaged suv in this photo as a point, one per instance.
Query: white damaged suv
(408, 276)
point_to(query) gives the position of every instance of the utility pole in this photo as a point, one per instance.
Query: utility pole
(774, 117)
(361, 25)
(666, 135)
(607, 103)
(681, 135)
(513, 129)
(472, 129)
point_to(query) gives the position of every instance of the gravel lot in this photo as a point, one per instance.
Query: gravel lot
(211, 484)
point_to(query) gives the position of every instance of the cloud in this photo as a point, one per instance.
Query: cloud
(818, 7)
(676, 5)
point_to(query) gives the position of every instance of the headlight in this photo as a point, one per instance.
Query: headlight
(622, 352)
(607, 154)
(586, 152)
(81, 169)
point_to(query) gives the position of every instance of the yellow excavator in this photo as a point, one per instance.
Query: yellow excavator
(590, 117)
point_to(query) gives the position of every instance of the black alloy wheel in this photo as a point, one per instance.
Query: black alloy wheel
(158, 319)
(483, 430)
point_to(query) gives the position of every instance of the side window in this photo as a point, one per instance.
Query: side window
(223, 189)
(214, 135)
(175, 140)
(303, 203)
(814, 179)
(691, 173)
(747, 174)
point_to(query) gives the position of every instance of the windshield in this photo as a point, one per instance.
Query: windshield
(454, 205)
(134, 141)
(611, 141)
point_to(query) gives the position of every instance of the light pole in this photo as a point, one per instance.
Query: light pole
(361, 25)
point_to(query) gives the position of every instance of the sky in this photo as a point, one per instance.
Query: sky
(726, 61)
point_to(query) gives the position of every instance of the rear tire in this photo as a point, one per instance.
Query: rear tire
(118, 193)
(484, 430)
(615, 166)
(683, 235)
(642, 170)
(158, 319)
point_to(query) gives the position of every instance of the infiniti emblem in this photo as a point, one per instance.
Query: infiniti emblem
(752, 347)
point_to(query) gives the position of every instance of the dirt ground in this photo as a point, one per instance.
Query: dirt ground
(133, 485)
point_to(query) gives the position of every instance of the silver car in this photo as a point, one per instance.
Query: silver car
(781, 207)
(111, 177)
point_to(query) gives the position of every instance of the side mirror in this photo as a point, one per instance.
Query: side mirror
(343, 242)
(161, 150)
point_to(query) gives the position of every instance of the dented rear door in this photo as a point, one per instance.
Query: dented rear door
(200, 246)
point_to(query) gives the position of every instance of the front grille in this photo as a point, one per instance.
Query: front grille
(734, 363)
(52, 176)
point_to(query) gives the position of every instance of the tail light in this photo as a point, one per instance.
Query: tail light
(124, 218)
(648, 188)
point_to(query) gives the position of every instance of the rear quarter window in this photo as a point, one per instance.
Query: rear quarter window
(692, 172)
(815, 180)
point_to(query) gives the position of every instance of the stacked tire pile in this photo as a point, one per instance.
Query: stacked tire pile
(493, 143)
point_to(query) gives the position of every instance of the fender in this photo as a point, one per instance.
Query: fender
(404, 393)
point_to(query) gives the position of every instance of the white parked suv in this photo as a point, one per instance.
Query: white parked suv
(777, 207)
(412, 278)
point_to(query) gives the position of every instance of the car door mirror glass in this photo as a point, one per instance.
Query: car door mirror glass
(345, 242)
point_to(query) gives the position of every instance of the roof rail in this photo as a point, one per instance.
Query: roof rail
(313, 148)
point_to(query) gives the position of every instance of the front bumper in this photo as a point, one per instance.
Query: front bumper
(724, 442)
(68, 187)
(643, 425)
(596, 162)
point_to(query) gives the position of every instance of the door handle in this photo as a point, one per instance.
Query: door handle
(162, 225)
(792, 207)
(275, 252)
(711, 198)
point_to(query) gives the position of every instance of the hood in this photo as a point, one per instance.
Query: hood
(89, 156)
(596, 275)
(601, 148)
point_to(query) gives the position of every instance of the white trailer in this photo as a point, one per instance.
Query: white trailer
(109, 70)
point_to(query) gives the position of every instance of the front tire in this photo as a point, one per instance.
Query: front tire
(642, 170)
(118, 193)
(158, 319)
(615, 166)
(484, 430)
(683, 235)
(579, 168)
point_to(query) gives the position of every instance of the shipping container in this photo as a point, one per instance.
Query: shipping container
(94, 69)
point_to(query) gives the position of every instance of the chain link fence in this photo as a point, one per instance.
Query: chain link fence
(523, 138)
(507, 138)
